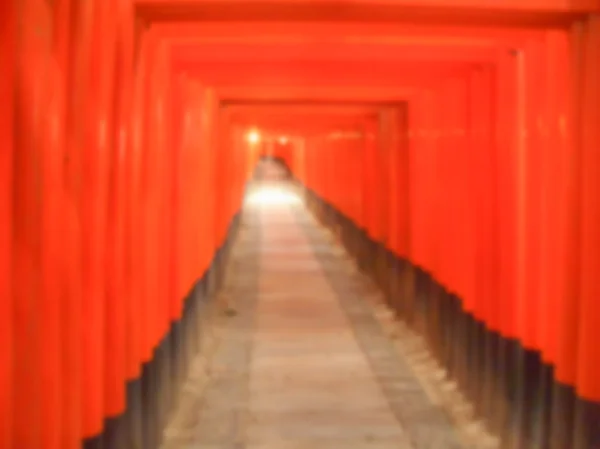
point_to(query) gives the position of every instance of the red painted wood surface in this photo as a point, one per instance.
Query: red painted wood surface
(8, 59)
(588, 354)
(566, 362)
(531, 6)
(554, 204)
(36, 267)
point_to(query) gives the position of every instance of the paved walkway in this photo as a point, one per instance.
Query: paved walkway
(296, 358)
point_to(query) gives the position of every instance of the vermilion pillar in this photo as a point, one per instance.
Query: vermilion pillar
(588, 353)
(587, 431)
(483, 189)
(370, 181)
(422, 137)
(568, 224)
(8, 58)
(67, 28)
(53, 258)
(31, 219)
(506, 188)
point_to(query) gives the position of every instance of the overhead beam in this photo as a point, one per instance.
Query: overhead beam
(302, 125)
(294, 106)
(510, 13)
(356, 94)
(331, 31)
(331, 52)
(350, 73)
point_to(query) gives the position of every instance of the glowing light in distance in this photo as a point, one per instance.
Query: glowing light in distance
(253, 137)
(283, 140)
(273, 196)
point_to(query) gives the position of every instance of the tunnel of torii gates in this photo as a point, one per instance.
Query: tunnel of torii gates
(454, 145)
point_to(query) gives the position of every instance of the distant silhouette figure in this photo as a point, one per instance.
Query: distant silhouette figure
(271, 169)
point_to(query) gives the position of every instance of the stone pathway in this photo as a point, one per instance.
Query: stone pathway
(300, 361)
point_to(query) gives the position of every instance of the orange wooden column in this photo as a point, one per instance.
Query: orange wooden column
(158, 184)
(463, 167)
(332, 174)
(224, 146)
(36, 265)
(506, 190)
(448, 190)
(52, 285)
(326, 159)
(335, 173)
(588, 351)
(546, 126)
(321, 164)
(184, 165)
(370, 201)
(570, 254)
(315, 169)
(140, 162)
(391, 129)
(181, 116)
(228, 181)
(532, 304)
(95, 148)
(317, 166)
(221, 185)
(215, 164)
(322, 159)
(555, 181)
(8, 58)
(403, 173)
(65, 14)
(143, 246)
(196, 240)
(483, 172)
(540, 156)
(126, 156)
(504, 193)
(382, 186)
(215, 193)
(355, 157)
(215, 172)
(339, 166)
(149, 191)
(587, 430)
(421, 182)
(137, 330)
(117, 297)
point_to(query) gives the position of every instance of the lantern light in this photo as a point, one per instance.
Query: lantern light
(253, 137)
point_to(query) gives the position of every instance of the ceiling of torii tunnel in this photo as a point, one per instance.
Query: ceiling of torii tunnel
(279, 65)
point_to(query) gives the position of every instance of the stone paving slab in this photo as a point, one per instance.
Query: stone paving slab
(303, 363)
(426, 423)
